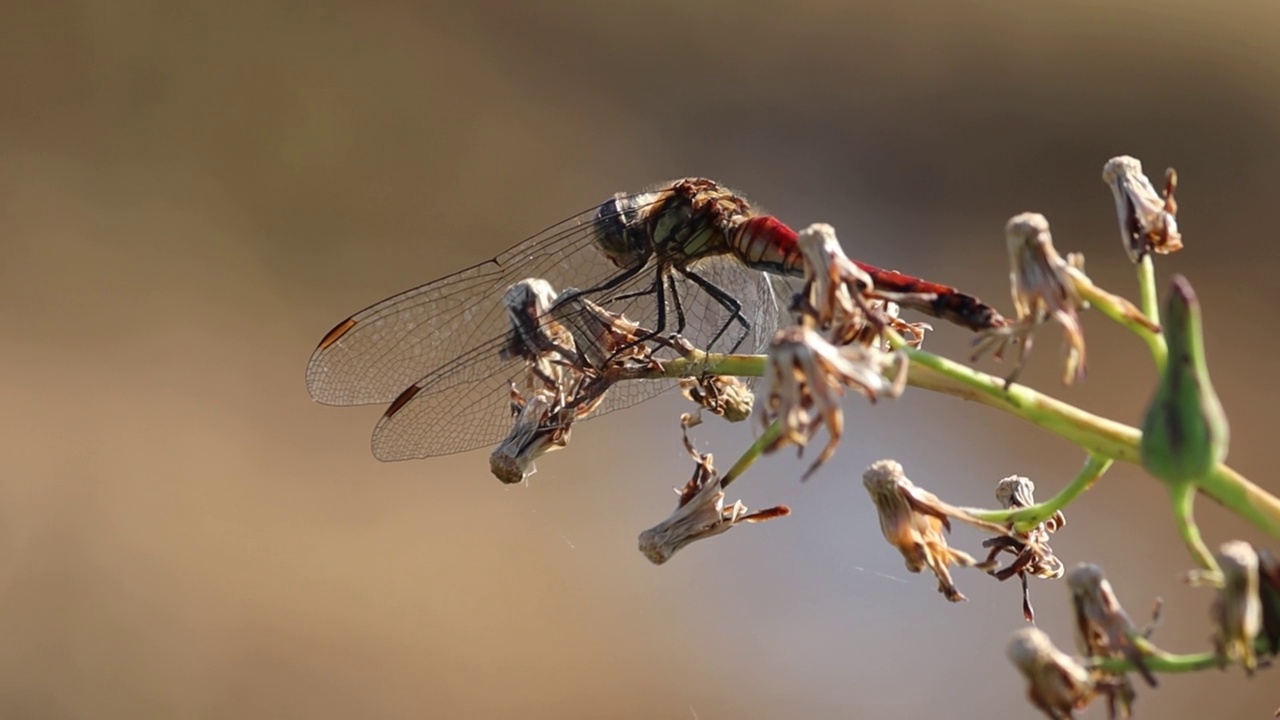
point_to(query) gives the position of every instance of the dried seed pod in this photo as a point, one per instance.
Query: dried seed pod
(1237, 610)
(916, 521)
(700, 513)
(1057, 683)
(1148, 220)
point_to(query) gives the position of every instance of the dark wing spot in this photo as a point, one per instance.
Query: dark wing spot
(402, 399)
(337, 332)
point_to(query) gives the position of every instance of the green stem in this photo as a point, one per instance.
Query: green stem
(1097, 435)
(1161, 663)
(1139, 322)
(1029, 517)
(1234, 492)
(752, 453)
(699, 363)
(1157, 660)
(1184, 498)
(1148, 296)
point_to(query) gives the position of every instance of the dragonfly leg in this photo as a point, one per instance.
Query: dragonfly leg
(661, 298)
(632, 295)
(655, 288)
(675, 300)
(612, 283)
(728, 302)
(577, 356)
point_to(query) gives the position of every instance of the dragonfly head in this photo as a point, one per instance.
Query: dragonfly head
(620, 233)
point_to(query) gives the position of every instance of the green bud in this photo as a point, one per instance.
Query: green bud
(1185, 433)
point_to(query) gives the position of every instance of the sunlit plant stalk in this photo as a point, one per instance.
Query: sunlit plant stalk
(1184, 446)
(846, 337)
(1100, 436)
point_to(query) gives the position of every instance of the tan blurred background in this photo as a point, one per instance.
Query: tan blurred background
(191, 194)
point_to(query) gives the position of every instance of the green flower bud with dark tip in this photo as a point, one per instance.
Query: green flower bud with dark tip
(1185, 434)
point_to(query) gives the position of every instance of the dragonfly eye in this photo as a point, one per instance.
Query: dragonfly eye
(620, 235)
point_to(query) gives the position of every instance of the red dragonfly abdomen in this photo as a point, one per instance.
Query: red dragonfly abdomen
(766, 243)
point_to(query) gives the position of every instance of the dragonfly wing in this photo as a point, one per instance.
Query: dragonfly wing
(434, 352)
(375, 354)
(465, 404)
(459, 407)
(760, 296)
(713, 326)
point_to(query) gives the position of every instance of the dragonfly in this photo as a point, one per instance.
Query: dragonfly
(688, 256)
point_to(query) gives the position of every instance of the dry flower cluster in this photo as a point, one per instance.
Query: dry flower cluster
(846, 336)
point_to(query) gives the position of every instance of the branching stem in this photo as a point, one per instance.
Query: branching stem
(1028, 518)
(1099, 436)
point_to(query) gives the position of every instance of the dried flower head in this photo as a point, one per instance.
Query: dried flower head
(916, 521)
(544, 343)
(834, 299)
(1119, 691)
(1103, 628)
(542, 424)
(1148, 220)
(837, 291)
(700, 513)
(887, 314)
(807, 378)
(1237, 610)
(1269, 592)
(1057, 683)
(1043, 288)
(725, 395)
(528, 303)
(1033, 556)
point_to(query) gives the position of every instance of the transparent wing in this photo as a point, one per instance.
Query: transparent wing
(464, 404)
(378, 352)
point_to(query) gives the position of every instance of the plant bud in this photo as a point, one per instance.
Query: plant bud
(1185, 433)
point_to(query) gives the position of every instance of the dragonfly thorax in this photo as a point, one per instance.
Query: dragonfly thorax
(621, 233)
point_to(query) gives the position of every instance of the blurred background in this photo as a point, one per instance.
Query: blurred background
(192, 194)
